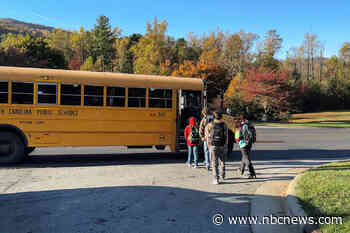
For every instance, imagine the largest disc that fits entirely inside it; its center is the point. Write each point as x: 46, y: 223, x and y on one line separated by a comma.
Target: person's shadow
x: 146, y: 209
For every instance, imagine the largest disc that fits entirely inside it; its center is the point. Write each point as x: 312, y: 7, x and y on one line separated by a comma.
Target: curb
x: 268, y: 201
x: 295, y: 209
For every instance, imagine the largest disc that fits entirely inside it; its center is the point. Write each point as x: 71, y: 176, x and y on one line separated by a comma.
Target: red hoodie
x: 193, y: 123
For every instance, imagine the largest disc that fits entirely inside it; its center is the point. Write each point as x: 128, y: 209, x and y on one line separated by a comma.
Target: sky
x: 329, y: 20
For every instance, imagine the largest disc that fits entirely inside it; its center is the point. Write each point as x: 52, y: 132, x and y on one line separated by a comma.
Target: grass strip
x: 325, y: 191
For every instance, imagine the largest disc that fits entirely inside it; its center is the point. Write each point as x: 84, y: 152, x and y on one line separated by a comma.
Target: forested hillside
x: 19, y: 27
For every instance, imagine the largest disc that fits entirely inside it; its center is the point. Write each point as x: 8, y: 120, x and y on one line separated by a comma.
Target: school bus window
x: 47, y: 93
x: 93, y: 95
x: 137, y: 97
x: 70, y: 94
x: 160, y: 98
x: 22, y: 93
x: 116, y: 96
x: 4, y: 89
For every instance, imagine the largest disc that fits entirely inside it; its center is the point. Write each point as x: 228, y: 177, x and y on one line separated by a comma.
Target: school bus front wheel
x: 28, y: 150
x: 11, y: 148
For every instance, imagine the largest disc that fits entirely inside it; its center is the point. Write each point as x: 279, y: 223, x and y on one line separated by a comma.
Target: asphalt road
x: 110, y: 190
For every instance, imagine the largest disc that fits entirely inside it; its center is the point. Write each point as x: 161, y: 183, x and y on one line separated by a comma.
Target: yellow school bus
x: 54, y: 108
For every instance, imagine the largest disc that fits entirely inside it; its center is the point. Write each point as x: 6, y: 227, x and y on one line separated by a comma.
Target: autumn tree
x: 61, y: 41
x: 195, y: 45
x: 272, y: 43
x: 310, y: 44
x: 82, y: 44
x: 124, y: 58
x: 75, y: 62
x: 333, y: 67
x: 36, y: 51
x: 212, y: 48
x: 268, y: 49
x: 152, y: 49
x: 214, y: 75
x: 232, y: 54
x: 122, y: 62
x: 89, y: 65
x: 233, y: 95
x: 184, y: 52
x: 269, y: 89
x: 344, y: 55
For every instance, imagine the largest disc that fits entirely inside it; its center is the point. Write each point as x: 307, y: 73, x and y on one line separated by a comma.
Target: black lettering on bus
x: 15, y: 111
x: 25, y: 122
x: 44, y: 112
x: 68, y: 112
x: 27, y: 112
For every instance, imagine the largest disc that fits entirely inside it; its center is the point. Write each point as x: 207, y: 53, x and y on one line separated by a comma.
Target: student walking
x: 245, y: 136
x: 193, y: 140
x: 216, y: 136
x: 204, y: 122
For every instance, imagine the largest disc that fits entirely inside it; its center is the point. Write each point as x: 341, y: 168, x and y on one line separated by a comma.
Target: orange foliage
x: 234, y: 86
x: 210, y: 71
x: 166, y: 68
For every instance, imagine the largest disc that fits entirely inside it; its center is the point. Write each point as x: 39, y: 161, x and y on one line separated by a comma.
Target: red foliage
x: 75, y: 62
x: 269, y: 88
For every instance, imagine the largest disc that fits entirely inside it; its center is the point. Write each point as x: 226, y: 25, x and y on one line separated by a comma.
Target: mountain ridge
x: 14, y: 26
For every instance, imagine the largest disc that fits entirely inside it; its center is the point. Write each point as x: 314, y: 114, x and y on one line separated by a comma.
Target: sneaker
x: 222, y: 178
x: 252, y: 177
x: 215, y: 181
x: 195, y: 166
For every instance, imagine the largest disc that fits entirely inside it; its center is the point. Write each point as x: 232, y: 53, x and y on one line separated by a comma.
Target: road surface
x: 107, y: 190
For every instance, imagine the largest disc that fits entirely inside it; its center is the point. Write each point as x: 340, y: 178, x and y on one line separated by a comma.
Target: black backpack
x: 249, y: 135
x: 218, y: 134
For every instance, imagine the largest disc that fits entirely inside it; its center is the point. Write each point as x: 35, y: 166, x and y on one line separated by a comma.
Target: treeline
x: 239, y: 66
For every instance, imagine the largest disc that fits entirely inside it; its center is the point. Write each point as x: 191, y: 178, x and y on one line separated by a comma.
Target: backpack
x: 218, y: 134
x: 193, y: 137
x: 249, y: 135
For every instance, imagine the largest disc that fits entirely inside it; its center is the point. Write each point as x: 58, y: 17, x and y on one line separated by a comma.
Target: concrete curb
x: 295, y: 209
x: 268, y: 201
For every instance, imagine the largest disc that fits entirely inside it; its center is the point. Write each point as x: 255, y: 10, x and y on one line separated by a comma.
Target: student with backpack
x: 193, y: 140
x: 245, y: 136
x: 204, y: 122
x: 216, y: 136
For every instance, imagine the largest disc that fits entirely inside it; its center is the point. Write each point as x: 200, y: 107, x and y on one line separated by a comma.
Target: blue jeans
x: 206, y: 154
x: 192, y: 150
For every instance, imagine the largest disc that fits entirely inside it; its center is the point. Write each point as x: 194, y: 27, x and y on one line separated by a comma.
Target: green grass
x: 336, y: 119
x: 325, y: 191
x: 316, y: 124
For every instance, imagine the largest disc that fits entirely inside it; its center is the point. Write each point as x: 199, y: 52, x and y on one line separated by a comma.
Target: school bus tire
x: 28, y: 150
x: 11, y: 148
x: 160, y: 147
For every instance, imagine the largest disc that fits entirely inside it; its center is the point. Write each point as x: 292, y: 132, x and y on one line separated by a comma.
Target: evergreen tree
x: 104, y: 38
